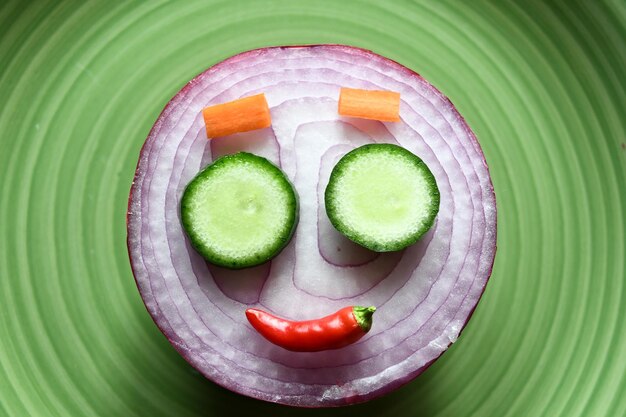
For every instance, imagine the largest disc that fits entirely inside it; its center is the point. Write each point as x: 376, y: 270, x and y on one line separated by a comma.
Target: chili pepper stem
x: 363, y: 316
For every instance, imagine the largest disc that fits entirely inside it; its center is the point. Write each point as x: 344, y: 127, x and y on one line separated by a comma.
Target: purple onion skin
x: 233, y: 385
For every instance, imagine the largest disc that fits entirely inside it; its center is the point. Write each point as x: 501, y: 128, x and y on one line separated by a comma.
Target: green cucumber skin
x: 355, y: 236
x: 196, y: 241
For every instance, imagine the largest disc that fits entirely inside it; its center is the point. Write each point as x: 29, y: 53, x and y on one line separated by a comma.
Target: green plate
x: 542, y: 84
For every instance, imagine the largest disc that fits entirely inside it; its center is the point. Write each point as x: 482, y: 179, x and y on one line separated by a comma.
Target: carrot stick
x: 243, y: 115
x: 370, y: 104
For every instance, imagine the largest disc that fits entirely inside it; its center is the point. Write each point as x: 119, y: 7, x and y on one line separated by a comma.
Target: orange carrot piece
x: 243, y: 115
x: 370, y: 104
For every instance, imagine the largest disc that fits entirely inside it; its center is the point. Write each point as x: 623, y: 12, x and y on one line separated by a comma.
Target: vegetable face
x: 424, y: 294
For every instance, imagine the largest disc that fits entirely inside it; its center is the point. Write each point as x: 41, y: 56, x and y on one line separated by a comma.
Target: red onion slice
x: 424, y: 294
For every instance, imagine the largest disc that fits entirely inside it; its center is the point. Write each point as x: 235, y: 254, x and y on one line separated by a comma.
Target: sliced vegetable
x: 334, y: 331
x: 243, y: 115
x: 424, y: 295
x: 370, y: 104
x: 382, y: 197
x: 240, y: 211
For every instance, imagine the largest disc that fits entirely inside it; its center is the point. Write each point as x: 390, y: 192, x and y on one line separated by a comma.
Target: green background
x: 541, y: 83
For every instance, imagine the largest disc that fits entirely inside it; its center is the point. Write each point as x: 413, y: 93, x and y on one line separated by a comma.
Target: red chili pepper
x: 335, y: 331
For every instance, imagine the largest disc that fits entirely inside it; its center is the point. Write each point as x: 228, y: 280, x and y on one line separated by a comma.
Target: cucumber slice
x: 382, y: 197
x: 240, y: 211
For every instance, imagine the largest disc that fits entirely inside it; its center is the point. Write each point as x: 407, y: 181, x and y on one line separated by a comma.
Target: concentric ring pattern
x: 424, y: 295
x: 540, y: 83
